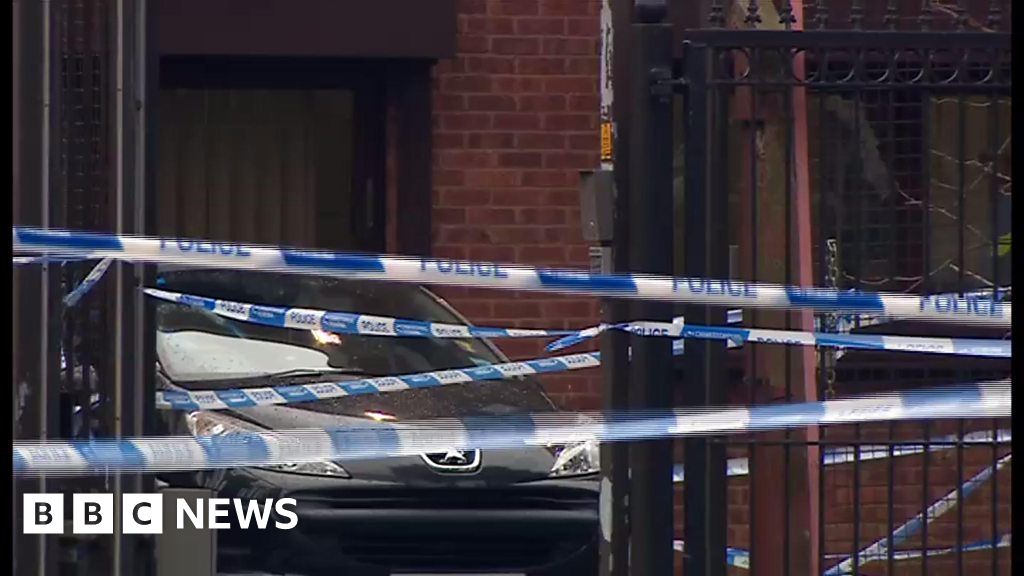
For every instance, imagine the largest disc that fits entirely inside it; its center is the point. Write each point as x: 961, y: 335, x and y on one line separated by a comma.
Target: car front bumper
x: 377, y: 528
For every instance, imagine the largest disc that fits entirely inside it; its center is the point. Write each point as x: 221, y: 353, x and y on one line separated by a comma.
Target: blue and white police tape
x: 736, y: 557
x: 371, y: 325
x: 343, y: 322
x: 990, y: 348
x: 848, y: 454
x: 979, y: 546
x: 371, y: 440
x: 180, y: 399
x: 509, y: 277
x: 911, y: 527
x: 846, y: 322
x: 364, y: 324
x: 57, y: 259
x: 740, y: 558
x: 91, y: 279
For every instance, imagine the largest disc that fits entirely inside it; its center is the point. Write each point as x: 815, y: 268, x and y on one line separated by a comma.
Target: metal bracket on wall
x: 663, y: 85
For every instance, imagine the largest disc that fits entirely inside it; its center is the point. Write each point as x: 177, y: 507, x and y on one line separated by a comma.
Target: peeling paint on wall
x: 606, y: 82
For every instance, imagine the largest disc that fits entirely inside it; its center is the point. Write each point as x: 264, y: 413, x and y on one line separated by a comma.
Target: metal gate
x: 854, y: 147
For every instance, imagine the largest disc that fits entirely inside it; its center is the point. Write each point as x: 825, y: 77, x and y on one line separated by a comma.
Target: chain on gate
x: 830, y: 320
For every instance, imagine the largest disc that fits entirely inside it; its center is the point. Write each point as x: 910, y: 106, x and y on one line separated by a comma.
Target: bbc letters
x: 144, y: 513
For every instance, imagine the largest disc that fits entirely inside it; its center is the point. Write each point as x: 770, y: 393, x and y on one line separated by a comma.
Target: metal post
x: 650, y: 209
x: 132, y: 379
x: 706, y: 245
x: 36, y: 318
x: 615, y: 480
x: 120, y: 315
x: 602, y: 221
x: 616, y: 121
x: 29, y: 389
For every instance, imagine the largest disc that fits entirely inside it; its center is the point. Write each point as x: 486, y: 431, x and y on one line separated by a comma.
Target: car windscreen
x: 201, y: 351
x: 196, y: 345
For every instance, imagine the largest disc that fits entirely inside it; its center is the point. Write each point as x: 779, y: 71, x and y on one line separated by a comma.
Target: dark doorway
x: 283, y: 151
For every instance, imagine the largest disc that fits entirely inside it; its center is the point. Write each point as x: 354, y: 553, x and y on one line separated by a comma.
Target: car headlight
x: 323, y: 468
x: 581, y: 458
x: 215, y: 424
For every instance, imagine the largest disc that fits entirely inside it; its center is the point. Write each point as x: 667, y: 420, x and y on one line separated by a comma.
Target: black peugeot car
x: 526, y: 511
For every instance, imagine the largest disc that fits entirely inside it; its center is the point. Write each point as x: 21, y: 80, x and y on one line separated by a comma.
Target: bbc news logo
x: 144, y: 513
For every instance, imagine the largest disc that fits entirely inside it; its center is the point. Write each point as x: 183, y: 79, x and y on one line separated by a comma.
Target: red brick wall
x: 515, y: 120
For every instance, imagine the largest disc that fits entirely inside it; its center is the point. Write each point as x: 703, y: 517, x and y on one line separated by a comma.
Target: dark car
x: 525, y: 511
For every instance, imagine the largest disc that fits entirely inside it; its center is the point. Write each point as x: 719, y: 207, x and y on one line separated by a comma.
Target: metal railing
x: 864, y: 148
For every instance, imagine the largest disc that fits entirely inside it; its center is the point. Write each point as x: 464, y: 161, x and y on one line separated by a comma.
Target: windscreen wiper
x: 300, y: 372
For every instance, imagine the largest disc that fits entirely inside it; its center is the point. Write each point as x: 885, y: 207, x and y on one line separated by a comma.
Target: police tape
x: 848, y: 322
x: 736, y: 557
x: 181, y: 399
x: 371, y: 325
x: 442, y: 271
x: 343, y: 322
x: 740, y: 558
x: 990, y: 348
x: 90, y: 280
x: 372, y: 440
x: 735, y: 316
x: 365, y: 324
x: 845, y: 322
x: 25, y: 260
x: 981, y: 545
x: 848, y: 454
x: 915, y: 524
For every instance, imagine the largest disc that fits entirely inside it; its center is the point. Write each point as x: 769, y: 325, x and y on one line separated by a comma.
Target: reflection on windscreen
x: 195, y: 344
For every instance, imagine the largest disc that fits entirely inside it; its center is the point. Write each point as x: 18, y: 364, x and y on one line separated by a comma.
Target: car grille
x: 440, y: 553
x: 542, y: 498
x: 435, y: 546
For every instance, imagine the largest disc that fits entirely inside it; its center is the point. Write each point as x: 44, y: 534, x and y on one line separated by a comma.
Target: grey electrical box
x: 600, y: 259
x: 189, y: 551
x: 597, y: 205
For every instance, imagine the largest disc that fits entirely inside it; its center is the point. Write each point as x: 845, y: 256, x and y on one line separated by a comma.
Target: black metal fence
x: 870, y: 150
x: 80, y: 102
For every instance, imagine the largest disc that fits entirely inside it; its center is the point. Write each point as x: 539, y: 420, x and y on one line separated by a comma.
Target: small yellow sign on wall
x: 606, y: 141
